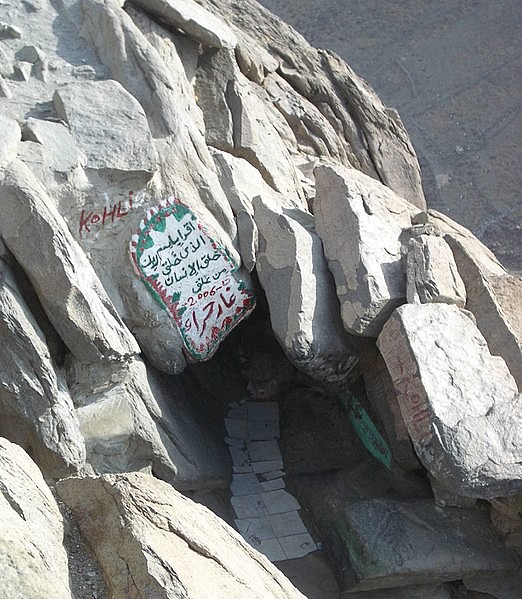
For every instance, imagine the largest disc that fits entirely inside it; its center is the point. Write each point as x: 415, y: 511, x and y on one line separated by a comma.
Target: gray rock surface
x: 33, y: 562
x: 300, y: 294
x: 59, y: 144
x: 36, y: 410
x: 108, y: 125
x: 461, y: 408
x: 153, y: 542
x: 194, y: 20
x: 132, y: 419
x: 392, y: 543
x: 11, y: 138
x: 494, y: 296
x: 382, y: 396
x: 431, y: 272
x: 63, y: 278
x: 360, y: 222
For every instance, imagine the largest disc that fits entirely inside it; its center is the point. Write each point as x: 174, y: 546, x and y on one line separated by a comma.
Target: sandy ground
x: 453, y: 69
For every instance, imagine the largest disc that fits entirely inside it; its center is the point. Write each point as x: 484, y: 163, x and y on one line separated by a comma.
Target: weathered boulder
x: 36, y: 410
x: 360, y: 222
x: 57, y: 140
x: 397, y: 543
x: 153, y: 542
x: 194, y: 20
x: 11, y: 136
x: 300, y: 293
x: 431, y: 272
x: 459, y: 403
x: 108, y: 125
x: 493, y: 295
x: 133, y: 418
x: 63, y: 278
x: 33, y: 562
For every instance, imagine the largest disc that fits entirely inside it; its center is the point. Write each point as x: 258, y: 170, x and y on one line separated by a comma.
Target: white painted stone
x: 360, y: 222
x: 249, y: 506
x: 460, y: 404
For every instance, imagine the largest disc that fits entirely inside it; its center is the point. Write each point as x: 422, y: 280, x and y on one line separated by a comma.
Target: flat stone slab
x: 280, y: 501
x: 267, y: 466
x: 261, y: 451
x: 392, y: 544
x: 296, y: 546
x: 286, y: 524
x: 245, y: 484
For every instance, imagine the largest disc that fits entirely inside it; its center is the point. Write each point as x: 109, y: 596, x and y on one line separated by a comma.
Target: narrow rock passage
x: 267, y: 515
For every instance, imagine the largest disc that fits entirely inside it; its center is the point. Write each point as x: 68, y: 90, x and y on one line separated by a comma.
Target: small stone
x: 9, y: 32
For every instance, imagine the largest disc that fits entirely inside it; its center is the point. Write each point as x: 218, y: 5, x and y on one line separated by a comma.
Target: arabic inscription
x: 191, y: 275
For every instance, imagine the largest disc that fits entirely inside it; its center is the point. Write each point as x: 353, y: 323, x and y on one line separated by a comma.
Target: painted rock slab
x: 191, y: 276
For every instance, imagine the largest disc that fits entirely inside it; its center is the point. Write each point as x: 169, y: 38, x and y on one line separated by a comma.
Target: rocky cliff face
x: 197, y: 209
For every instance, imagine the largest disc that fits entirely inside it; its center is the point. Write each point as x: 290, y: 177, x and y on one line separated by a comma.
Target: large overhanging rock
x: 36, y: 410
x: 153, y: 542
x: 360, y: 222
x: 133, y: 418
x: 493, y: 295
x: 301, y: 294
x: 63, y: 278
x: 459, y: 402
x: 33, y: 562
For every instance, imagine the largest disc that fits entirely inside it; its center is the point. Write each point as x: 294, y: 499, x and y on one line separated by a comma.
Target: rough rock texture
x: 493, y: 295
x: 132, y: 419
x: 462, y: 409
x: 392, y: 543
x: 153, y: 542
x: 33, y: 562
x: 63, y: 278
x: 108, y: 125
x: 431, y: 272
x: 301, y: 294
x: 383, y: 398
x: 36, y: 410
x: 306, y: 186
x: 360, y: 222
x: 11, y: 137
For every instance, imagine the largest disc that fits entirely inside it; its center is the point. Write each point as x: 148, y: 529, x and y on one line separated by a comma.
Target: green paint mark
x: 366, y: 430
